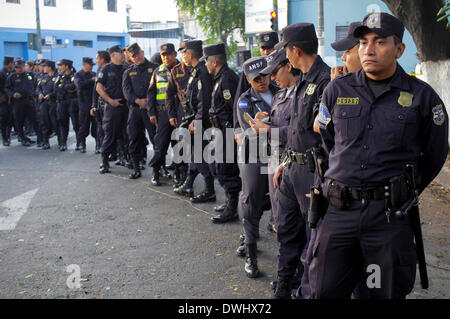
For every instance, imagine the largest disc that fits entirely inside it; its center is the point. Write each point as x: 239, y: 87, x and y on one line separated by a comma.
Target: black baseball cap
x: 381, y: 23
x: 88, y: 60
x: 167, y: 48
x: 134, y: 49
x: 253, y: 67
x: 19, y: 62
x: 298, y: 32
x: 273, y: 60
x: 268, y: 39
x: 349, y: 41
x: 116, y: 48
x: 212, y: 50
x: 8, y: 60
x: 194, y: 45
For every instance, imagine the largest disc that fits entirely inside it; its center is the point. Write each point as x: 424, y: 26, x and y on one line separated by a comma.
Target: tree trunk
x: 419, y: 17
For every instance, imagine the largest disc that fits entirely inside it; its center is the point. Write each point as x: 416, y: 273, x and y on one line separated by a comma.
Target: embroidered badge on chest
x: 226, y: 95
x: 405, y: 99
x: 438, y: 115
x: 311, y: 88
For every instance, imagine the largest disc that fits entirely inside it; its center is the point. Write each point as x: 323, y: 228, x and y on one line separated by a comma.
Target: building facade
x: 69, y: 29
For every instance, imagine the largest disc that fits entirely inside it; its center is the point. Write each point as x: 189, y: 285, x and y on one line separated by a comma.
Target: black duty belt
x: 277, y: 151
x: 299, y: 158
x: 161, y: 107
x: 378, y: 193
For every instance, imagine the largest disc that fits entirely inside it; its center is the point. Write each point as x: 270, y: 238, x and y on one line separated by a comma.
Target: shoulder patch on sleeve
x: 324, y: 117
x: 438, y: 115
x: 243, y: 104
x: 100, y: 75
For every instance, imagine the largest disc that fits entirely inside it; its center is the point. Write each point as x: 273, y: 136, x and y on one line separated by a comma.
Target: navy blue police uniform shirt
x: 308, y: 94
x: 95, y: 95
x: 224, y: 91
x: 370, y: 140
x: 46, y: 85
x: 280, y: 115
x: 20, y: 83
x: 199, y: 92
x: 84, y: 81
x: 178, y: 81
x: 111, y: 79
x: 65, y: 86
x: 136, y: 80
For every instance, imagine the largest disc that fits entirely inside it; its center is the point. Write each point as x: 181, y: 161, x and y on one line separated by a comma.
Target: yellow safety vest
x: 162, y: 82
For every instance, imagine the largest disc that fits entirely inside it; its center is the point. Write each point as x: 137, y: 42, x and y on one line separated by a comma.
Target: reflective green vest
x: 162, y: 82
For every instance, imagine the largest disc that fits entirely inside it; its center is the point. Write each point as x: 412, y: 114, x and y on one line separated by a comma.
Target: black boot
x: 83, y: 146
x: 208, y: 195
x: 165, y: 173
x: 143, y: 164
x: 230, y: 213
x: 187, y: 189
x: 137, y: 169
x: 97, y: 146
x: 78, y: 147
x: 104, y: 168
x: 46, y: 144
x: 156, y: 177
x: 220, y: 208
x: 251, y: 264
x: 283, y: 289
x: 241, y: 251
x: 121, y: 160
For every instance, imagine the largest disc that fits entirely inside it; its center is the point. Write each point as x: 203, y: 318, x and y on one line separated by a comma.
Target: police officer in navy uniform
x: 47, y: 101
x: 301, y: 45
x: 178, y: 81
x: 109, y: 88
x: 254, y: 199
x: 5, y: 107
x: 156, y: 99
x: 221, y: 115
x: 102, y: 58
x: 135, y: 83
x: 85, y: 81
x: 374, y: 123
x: 20, y: 90
x: 197, y: 102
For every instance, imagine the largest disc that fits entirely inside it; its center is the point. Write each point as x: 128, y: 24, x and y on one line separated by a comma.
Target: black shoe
x: 240, y: 252
x: 204, y: 197
x: 230, y: 213
x: 221, y: 219
x: 251, y: 268
x: 83, y: 147
x: 6, y: 143
x: 30, y: 141
x: 283, y: 289
x: 97, y: 147
x: 104, y: 168
x: 63, y: 148
x: 171, y: 167
x: 220, y: 208
x: 46, y: 146
x: 40, y: 144
x: 25, y: 143
x: 187, y: 189
x: 273, y: 285
x: 121, y: 162
x: 112, y: 157
x: 78, y: 147
x: 142, y: 165
x: 156, y: 177
x: 137, y: 171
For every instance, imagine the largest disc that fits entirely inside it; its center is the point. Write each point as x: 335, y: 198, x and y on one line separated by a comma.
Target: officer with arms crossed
x: 386, y: 134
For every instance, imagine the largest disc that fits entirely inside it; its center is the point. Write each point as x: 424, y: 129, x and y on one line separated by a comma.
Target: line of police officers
x: 345, y: 137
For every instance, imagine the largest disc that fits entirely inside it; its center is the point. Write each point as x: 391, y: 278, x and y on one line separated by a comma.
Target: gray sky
x: 153, y: 10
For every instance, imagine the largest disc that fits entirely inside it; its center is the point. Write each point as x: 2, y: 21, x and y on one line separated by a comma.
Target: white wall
x: 67, y: 15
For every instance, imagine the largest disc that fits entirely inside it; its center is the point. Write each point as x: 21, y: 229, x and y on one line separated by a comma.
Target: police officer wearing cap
x: 109, y: 88
x: 5, y: 107
x: 84, y: 81
x: 197, y: 102
x: 301, y: 45
x: 254, y: 199
x: 65, y: 90
x: 156, y: 106
x: 135, y: 83
x: 97, y: 108
x: 384, y: 131
x: 47, y: 102
x: 178, y: 81
x: 221, y: 116
x: 19, y: 88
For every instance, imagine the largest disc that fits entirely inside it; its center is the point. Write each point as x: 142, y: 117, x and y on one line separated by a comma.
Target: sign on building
x: 257, y: 16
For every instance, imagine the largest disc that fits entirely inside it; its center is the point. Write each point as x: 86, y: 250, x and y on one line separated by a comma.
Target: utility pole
x: 38, y: 31
x: 320, y: 31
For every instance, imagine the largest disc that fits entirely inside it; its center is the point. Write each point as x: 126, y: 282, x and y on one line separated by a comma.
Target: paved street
x: 133, y: 241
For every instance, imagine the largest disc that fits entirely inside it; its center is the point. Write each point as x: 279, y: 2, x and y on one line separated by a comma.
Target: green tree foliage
x: 218, y: 19
x: 444, y: 13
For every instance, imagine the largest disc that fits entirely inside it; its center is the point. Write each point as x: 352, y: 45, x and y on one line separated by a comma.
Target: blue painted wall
x: 15, y: 42
x: 342, y: 13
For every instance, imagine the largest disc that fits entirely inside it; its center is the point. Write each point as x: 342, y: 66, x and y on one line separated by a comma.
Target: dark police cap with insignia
x: 117, y: 48
x: 381, y: 23
x: 349, y: 41
x: 134, y: 49
x: 212, y: 50
x: 88, y: 60
x: 19, y: 62
x: 67, y: 62
x: 253, y: 67
x: 273, y: 60
x: 182, y: 47
x: 298, y: 32
x: 167, y: 48
x: 194, y: 45
x: 8, y: 60
x: 268, y: 39
x: 49, y: 63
